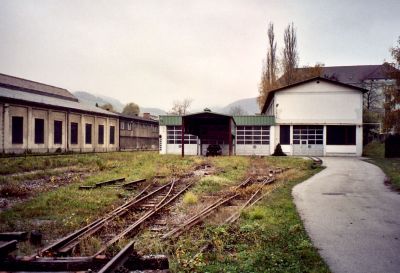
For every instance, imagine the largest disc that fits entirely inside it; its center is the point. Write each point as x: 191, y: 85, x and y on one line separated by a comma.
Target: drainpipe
x: 67, y: 128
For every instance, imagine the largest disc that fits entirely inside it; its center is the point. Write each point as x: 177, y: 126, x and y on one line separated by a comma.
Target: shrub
x: 190, y: 198
x: 278, y: 151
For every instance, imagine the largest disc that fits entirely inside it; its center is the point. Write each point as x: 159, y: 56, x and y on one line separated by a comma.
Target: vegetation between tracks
x: 391, y: 166
x: 63, y: 209
x: 269, y: 237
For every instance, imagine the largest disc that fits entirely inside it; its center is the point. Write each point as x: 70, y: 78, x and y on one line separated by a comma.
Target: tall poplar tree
x: 270, y: 68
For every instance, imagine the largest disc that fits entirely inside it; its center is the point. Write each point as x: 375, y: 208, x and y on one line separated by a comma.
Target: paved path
x: 351, y: 216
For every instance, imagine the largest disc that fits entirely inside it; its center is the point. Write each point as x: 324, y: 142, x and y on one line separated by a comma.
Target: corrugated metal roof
x: 51, y: 101
x: 170, y: 120
x: 11, y: 81
x: 239, y: 120
x: 254, y: 120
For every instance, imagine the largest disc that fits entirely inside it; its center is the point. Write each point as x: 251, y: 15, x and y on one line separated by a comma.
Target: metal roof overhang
x: 195, y: 124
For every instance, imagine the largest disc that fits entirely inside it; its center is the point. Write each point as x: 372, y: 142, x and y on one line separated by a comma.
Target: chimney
x: 146, y: 115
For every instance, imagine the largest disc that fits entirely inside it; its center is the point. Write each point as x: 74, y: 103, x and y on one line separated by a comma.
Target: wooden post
x: 230, y: 137
x: 183, y: 137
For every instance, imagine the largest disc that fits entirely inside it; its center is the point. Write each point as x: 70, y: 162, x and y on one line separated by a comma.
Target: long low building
x: 240, y: 135
x: 39, y: 118
x: 316, y: 117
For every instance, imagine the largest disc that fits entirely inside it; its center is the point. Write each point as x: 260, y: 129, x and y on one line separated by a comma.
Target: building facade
x: 38, y: 118
x: 316, y: 117
x: 138, y: 133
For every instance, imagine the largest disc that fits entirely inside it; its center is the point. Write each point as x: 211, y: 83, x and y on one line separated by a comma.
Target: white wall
x: 318, y: 103
x: 257, y: 149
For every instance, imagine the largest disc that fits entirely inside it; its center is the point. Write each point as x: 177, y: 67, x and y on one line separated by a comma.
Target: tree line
x: 130, y: 109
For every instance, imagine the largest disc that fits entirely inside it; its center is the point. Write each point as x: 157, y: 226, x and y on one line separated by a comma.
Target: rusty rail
x: 162, y: 204
x: 64, y: 245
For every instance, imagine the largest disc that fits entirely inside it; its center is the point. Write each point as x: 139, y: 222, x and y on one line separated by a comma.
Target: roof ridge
x: 10, y: 76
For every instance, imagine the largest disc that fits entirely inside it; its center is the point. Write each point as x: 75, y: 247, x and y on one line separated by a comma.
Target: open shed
x: 209, y: 128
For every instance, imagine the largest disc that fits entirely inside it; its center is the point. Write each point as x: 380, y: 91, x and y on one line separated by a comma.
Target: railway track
x: 235, y: 195
x: 125, y: 220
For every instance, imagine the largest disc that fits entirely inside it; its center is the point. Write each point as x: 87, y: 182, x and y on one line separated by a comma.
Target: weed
x: 190, y: 198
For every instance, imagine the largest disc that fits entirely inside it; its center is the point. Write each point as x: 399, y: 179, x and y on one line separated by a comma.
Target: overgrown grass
x: 269, y: 237
x: 391, y: 166
x: 230, y: 171
x: 66, y: 208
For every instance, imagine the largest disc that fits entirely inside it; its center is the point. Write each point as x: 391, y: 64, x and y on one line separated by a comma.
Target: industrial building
x: 39, y: 118
x: 315, y: 117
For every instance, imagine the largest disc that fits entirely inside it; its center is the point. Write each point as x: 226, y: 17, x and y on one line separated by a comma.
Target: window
x: 258, y: 135
x: 284, y: 134
x: 112, y: 134
x: 39, y: 131
x: 341, y: 135
x: 174, y: 136
x: 307, y: 134
x: 130, y: 126
x: 74, y: 133
x: 17, y: 130
x: 88, y: 133
x: 57, y: 132
x: 122, y: 125
x: 101, y: 134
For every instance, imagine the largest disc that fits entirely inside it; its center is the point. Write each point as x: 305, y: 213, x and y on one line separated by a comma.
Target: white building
x: 316, y: 117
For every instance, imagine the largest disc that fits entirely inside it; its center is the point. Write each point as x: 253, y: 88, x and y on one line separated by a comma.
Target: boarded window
x: 308, y: 134
x: 174, y: 136
x: 17, y: 130
x: 88, y: 133
x: 341, y: 135
x: 284, y: 134
x: 74, y: 133
x: 57, y: 132
x: 101, y: 134
x: 39, y: 131
x: 112, y: 134
x: 254, y: 135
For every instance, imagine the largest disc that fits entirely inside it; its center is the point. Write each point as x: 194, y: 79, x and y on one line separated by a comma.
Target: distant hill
x: 88, y: 98
x: 250, y: 106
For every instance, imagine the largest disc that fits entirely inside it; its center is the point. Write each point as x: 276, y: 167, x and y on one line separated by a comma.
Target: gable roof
x: 15, y: 83
x: 272, y: 92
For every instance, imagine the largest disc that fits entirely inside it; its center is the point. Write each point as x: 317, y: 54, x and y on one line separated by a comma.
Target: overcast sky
x: 155, y: 52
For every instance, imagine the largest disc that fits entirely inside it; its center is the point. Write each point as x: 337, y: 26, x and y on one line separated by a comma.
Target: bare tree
x: 270, y: 68
x: 237, y: 110
x: 181, y: 108
x: 374, y: 96
x: 290, y: 57
x: 131, y: 109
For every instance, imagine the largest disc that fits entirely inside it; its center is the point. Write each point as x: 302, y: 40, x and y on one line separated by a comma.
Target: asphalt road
x: 351, y: 216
